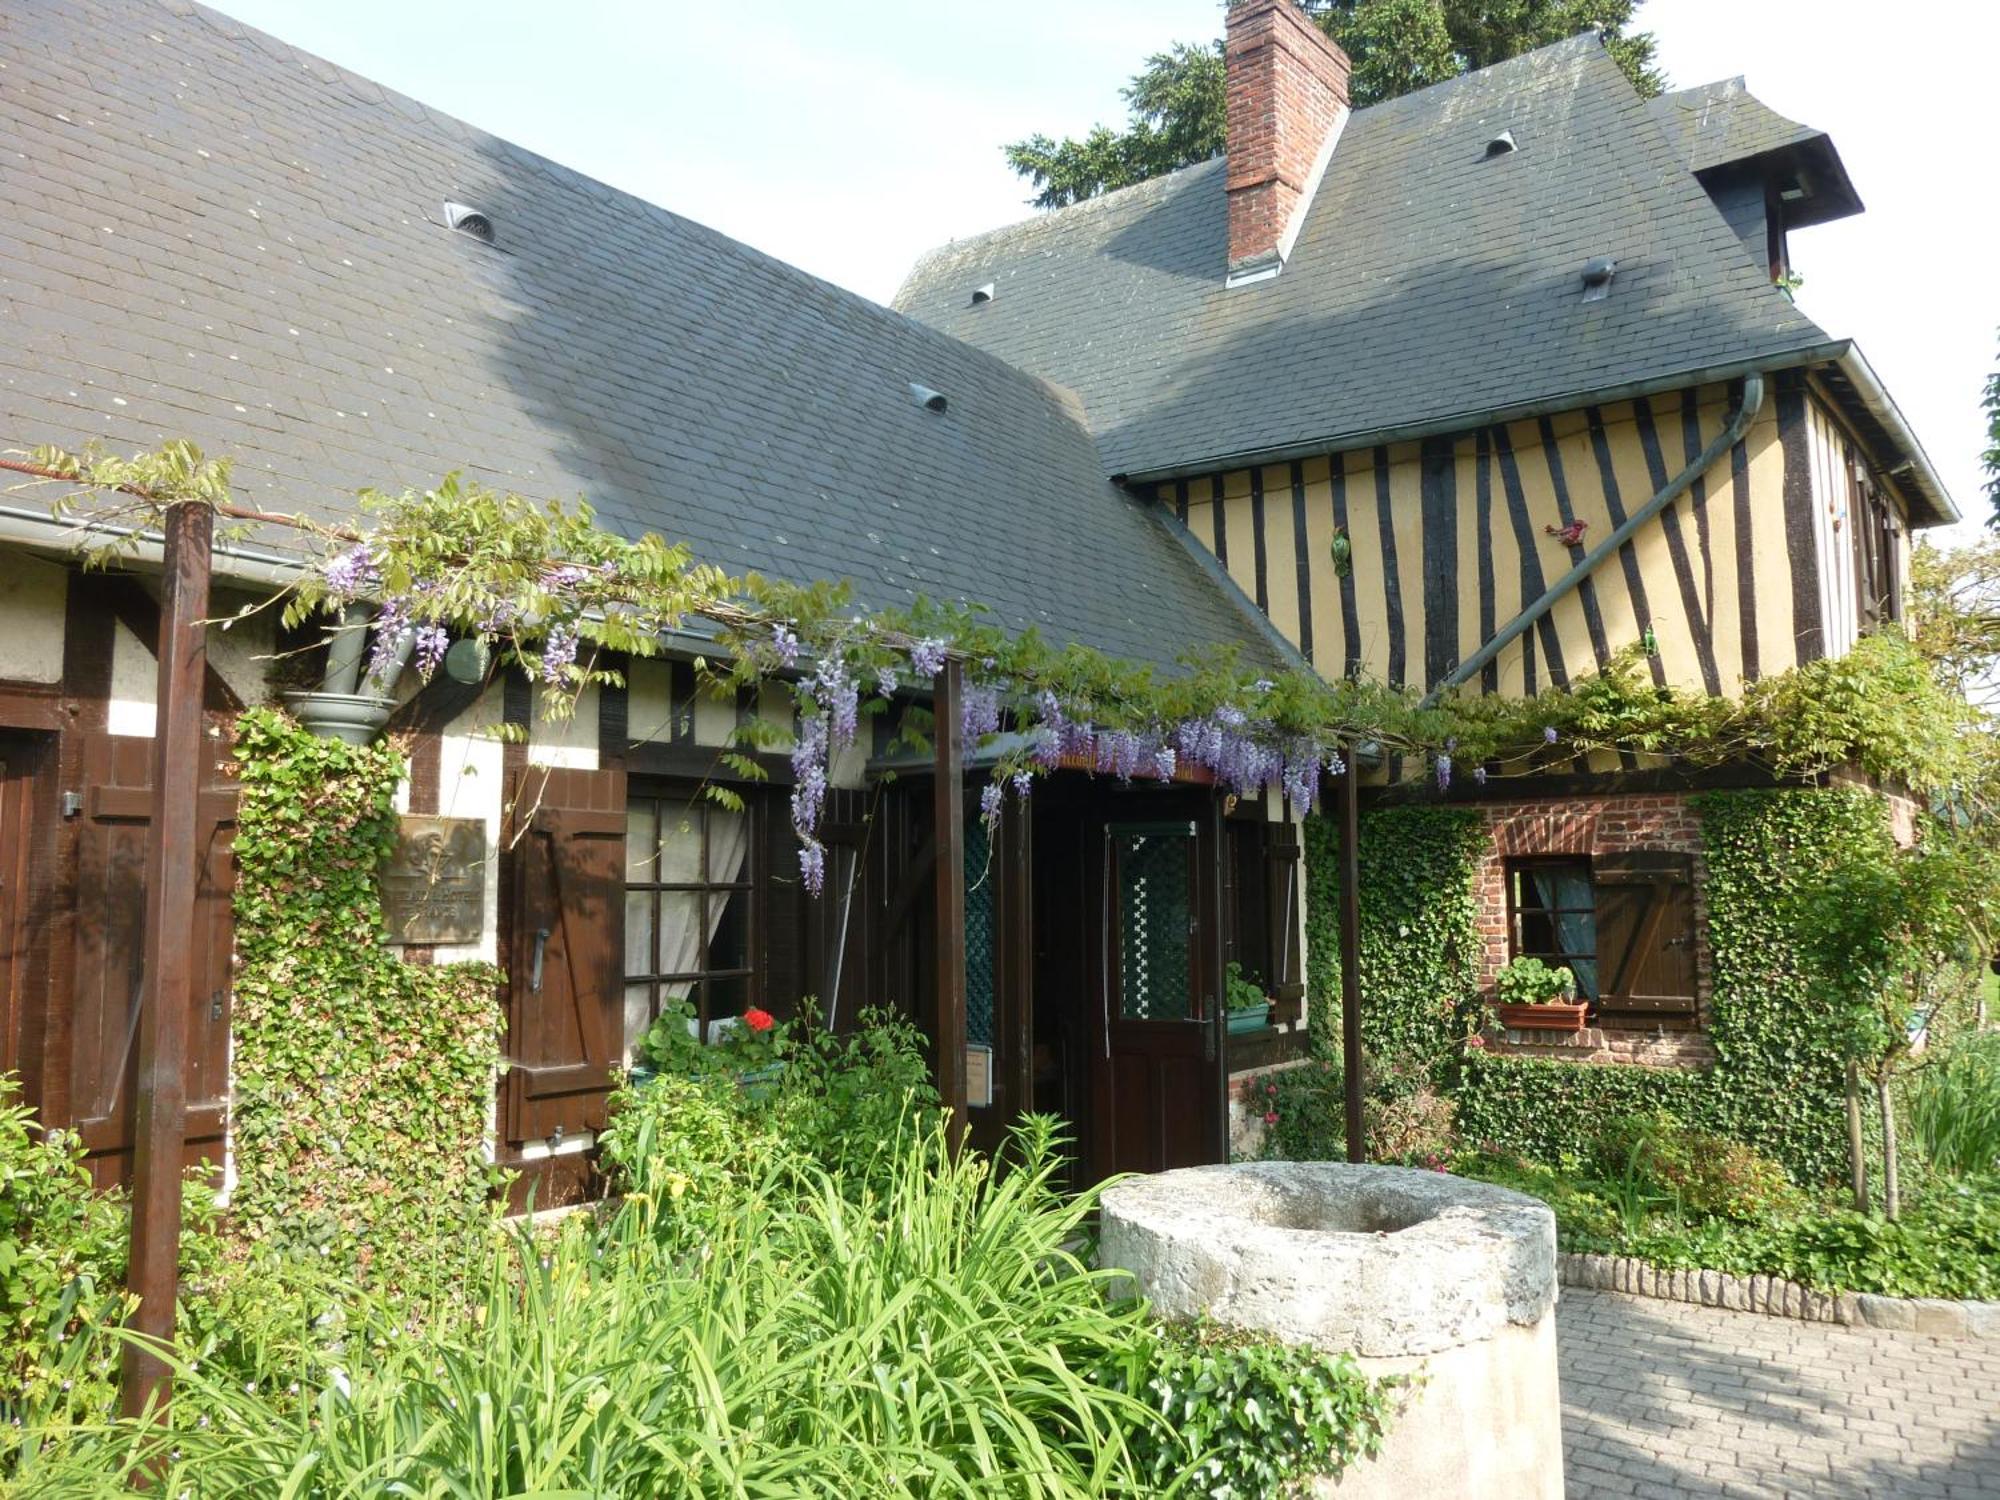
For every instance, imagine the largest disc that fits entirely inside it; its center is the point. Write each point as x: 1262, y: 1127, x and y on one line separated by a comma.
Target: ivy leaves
x: 361, y: 1083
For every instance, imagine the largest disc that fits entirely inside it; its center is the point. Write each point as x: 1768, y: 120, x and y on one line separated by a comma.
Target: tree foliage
x: 1177, y: 100
x: 1990, y: 459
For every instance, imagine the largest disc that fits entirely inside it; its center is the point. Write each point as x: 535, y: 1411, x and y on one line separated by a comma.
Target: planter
x: 1250, y: 1018
x: 1553, y: 1016
x: 351, y: 718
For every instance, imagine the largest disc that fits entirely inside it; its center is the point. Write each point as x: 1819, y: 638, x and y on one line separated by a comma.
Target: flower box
x: 1551, y: 1016
x: 1249, y: 1018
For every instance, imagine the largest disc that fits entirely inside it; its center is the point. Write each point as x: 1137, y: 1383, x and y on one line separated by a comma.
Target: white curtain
x: 684, y: 927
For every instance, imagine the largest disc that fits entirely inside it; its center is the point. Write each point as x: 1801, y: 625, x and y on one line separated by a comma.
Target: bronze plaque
x: 434, y: 885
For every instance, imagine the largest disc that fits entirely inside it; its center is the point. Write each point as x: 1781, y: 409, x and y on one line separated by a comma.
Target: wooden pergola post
x: 948, y: 811
x: 1350, y: 952
x: 172, y: 874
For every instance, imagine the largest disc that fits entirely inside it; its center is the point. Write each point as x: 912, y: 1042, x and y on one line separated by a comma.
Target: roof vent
x: 468, y: 220
x: 1597, y: 278
x: 982, y: 294
x: 1501, y: 145
x: 927, y: 398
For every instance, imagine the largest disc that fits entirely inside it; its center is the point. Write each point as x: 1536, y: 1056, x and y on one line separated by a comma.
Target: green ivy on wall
x: 1777, y: 1081
x: 1419, y: 930
x: 361, y: 1083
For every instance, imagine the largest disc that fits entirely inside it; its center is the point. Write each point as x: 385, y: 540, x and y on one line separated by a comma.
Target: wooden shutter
x: 1284, y: 865
x: 1645, y: 939
x: 565, y: 973
x: 110, y: 941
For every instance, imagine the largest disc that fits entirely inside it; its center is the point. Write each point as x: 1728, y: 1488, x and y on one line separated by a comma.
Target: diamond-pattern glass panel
x: 1155, y: 897
x: 980, y: 876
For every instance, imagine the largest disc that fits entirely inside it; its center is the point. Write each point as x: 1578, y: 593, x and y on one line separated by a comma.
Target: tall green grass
x: 938, y: 1340
x: 1955, y: 1106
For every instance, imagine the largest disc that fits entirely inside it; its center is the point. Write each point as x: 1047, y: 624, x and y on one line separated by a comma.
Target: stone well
x: 1409, y: 1271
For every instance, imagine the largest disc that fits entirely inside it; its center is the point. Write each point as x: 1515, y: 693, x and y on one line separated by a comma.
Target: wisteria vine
x: 544, y: 588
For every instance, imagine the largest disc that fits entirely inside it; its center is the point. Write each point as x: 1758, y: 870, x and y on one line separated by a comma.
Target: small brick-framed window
x: 1623, y: 923
x: 1552, y: 916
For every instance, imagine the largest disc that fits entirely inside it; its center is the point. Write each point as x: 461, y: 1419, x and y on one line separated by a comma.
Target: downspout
x: 1209, y: 564
x: 1748, y: 404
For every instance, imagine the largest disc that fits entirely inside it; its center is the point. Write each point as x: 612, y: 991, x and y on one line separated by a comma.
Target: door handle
x: 1208, y: 1028
x: 535, y: 968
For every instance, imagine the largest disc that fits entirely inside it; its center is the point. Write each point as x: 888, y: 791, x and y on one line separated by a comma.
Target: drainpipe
x: 1748, y: 404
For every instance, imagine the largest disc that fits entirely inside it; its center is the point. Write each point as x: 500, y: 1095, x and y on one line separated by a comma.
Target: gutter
x: 1912, y: 472
x: 1834, y: 352
x: 1748, y: 403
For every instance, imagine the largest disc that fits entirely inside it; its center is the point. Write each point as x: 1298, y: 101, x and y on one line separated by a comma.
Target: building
x: 1433, y: 331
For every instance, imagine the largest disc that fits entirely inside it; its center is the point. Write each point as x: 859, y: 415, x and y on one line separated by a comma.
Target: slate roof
x: 1721, y: 125
x: 1429, y: 286
x: 1722, y: 122
x: 209, y: 234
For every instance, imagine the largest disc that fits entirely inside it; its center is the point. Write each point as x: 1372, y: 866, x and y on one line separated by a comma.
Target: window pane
x: 728, y: 845
x: 681, y: 932
x: 680, y: 843
x: 639, y: 932
x: 641, y: 843
x: 729, y: 930
x: 727, y: 997
x: 638, y: 1012
x: 1154, y: 902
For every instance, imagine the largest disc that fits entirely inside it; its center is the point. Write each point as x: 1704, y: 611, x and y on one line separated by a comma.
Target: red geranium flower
x: 759, y: 1020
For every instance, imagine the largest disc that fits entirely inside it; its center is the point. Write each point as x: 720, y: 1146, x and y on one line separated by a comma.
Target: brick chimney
x: 1287, y: 97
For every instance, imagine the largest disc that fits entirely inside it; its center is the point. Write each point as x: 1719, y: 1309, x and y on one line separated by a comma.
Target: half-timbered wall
x: 1449, y: 538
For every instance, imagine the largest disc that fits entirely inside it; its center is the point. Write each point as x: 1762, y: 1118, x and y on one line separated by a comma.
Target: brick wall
x: 1589, y: 827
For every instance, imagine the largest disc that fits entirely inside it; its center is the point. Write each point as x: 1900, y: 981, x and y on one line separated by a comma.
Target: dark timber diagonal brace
x: 1748, y: 403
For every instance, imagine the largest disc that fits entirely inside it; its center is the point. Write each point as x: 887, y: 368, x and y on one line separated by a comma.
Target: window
x: 1552, y: 914
x: 1622, y: 923
x: 689, y: 912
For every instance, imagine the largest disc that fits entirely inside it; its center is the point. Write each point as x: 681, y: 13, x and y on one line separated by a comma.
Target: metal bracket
x: 535, y: 968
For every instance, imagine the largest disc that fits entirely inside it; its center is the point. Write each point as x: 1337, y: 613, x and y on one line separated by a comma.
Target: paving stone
x: 1674, y: 1398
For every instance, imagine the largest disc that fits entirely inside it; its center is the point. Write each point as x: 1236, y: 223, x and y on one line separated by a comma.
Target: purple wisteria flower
x: 1479, y: 775
x: 989, y: 803
x: 1549, y: 734
x: 786, y: 644
x: 432, y: 643
x: 353, y: 572
x: 1444, y: 772
x: 979, y: 711
x: 392, y: 629
x: 834, y: 690
x: 1165, y: 762
x: 558, y: 651
x: 886, y: 683
x: 812, y: 866
x: 927, y: 657
x: 1024, y: 783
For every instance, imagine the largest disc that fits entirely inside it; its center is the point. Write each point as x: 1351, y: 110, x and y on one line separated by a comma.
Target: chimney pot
x: 1287, y: 95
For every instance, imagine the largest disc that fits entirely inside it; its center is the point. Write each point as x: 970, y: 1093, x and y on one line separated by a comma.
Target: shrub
x: 1955, y: 1106
x: 62, y: 1271
x: 1244, y: 1417
x: 1704, y: 1172
x: 938, y: 1338
x: 1404, y: 1119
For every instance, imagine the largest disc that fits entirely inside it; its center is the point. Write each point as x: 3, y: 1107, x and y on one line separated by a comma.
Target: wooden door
x: 110, y: 939
x: 565, y: 973
x: 21, y: 758
x: 1157, y: 1071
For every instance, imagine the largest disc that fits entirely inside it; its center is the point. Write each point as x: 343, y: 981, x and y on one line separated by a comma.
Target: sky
x: 848, y: 138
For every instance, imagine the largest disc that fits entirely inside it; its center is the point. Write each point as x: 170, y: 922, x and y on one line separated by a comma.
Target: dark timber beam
x: 1350, y: 951
x: 948, y: 814
x: 172, y: 862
